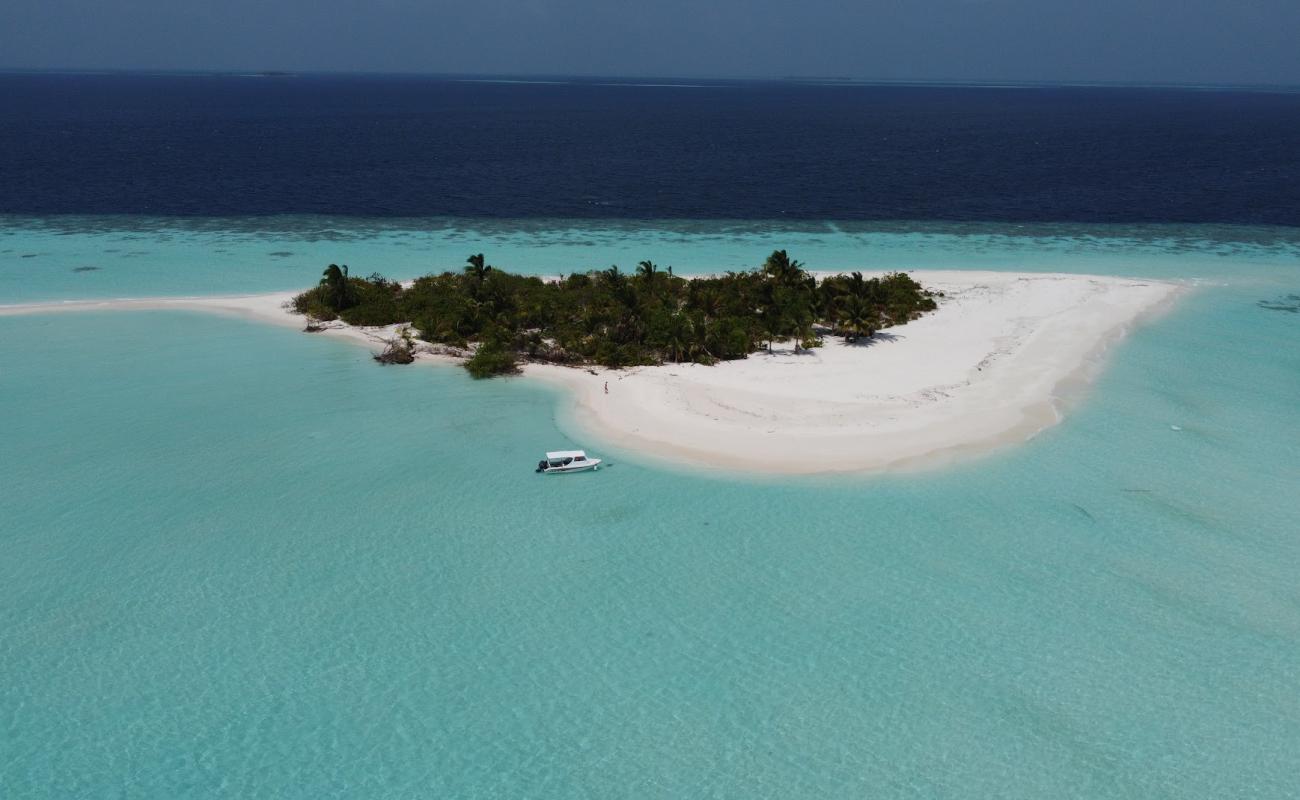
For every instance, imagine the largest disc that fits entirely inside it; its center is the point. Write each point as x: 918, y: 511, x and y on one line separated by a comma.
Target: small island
x: 858, y: 372
x: 614, y: 319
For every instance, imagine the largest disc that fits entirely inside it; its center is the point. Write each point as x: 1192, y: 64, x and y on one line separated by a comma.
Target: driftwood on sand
x: 400, y: 350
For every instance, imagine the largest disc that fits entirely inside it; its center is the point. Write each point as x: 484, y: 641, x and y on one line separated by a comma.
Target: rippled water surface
x: 54, y: 258
x: 239, y: 561
x: 391, y: 146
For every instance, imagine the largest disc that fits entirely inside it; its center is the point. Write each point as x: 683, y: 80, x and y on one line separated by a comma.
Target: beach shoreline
x: 1004, y: 357
x: 1001, y: 359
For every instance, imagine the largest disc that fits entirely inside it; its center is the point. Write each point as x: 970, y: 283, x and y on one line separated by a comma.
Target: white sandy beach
x: 270, y: 308
x: 993, y: 365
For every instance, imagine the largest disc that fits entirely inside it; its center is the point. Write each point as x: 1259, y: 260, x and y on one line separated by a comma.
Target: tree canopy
x: 617, y: 319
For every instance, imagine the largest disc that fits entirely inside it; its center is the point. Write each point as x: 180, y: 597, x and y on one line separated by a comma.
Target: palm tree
x: 857, y: 286
x: 679, y: 335
x: 710, y: 301
x: 856, y: 317
x: 783, y: 269
x: 478, y: 268
x: 613, y: 275
x: 770, y: 323
x: 649, y: 273
x: 801, y: 321
x: 338, y: 294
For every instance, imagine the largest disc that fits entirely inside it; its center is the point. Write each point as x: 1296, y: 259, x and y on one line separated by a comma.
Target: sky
x: 1134, y: 41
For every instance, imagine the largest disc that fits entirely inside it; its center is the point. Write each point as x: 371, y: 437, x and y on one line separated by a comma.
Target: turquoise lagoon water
x: 238, y: 562
x: 47, y: 258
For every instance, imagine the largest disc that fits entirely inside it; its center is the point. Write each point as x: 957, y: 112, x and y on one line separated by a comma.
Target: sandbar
x: 996, y: 363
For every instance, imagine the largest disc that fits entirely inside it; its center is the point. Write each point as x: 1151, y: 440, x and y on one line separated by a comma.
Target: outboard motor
x: 541, y: 466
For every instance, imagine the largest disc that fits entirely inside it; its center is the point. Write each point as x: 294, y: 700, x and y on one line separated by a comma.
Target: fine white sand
x: 267, y: 308
x: 993, y: 365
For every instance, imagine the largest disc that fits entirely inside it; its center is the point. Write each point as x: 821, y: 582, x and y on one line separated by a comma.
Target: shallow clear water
x: 44, y: 258
x: 241, y: 562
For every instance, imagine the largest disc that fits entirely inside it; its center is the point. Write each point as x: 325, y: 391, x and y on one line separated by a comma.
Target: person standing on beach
x: 606, y: 387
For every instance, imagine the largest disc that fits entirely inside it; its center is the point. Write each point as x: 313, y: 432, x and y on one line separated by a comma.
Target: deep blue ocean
x: 416, y: 147
x: 238, y: 561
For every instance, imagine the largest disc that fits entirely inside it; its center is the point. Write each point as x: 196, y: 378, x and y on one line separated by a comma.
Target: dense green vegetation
x: 618, y: 319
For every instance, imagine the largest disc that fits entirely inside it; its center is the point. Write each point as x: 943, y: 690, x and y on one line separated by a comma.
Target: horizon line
x: 651, y: 80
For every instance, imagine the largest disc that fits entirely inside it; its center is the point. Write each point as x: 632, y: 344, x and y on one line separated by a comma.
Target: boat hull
x: 590, y: 465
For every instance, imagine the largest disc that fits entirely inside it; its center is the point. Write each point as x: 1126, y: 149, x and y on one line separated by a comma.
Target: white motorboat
x: 567, y: 461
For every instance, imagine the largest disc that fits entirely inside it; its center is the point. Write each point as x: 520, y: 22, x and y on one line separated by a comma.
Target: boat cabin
x: 564, y: 458
x: 567, y: 461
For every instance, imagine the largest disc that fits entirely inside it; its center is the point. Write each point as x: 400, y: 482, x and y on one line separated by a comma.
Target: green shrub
x: 619, y: 319
x: 374, y: 314
x: 311, y: 303
x: 491, y: 359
